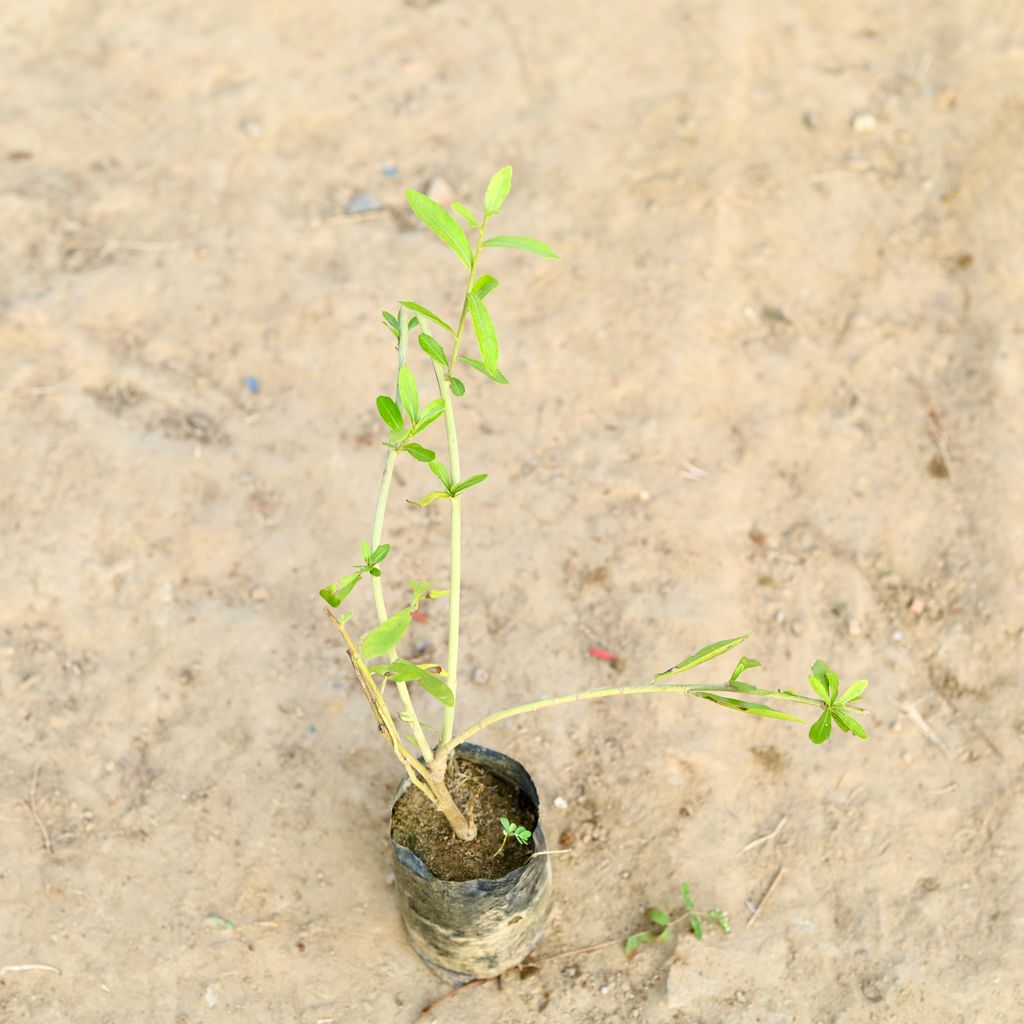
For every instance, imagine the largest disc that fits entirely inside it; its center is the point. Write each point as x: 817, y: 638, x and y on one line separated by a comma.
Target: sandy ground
x: 773, y: 384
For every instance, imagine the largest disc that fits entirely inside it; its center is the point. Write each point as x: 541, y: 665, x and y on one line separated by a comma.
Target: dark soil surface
x: 420, y: 827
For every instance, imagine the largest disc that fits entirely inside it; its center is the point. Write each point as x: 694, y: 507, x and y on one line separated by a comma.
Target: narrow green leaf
x: 497, y: 190
x: 427, y: 499
x: 486, y: 336
x: 458, y: 388
x: 384, y: 637
x: 687, y: 897
x: 438, y: 469
x: 389, y: 412
x: 429, y: 415
x: 819, y: 668
x: 822, y: 728
x: 741, y: 666
x: 505, y: 824
x: 330, y: 596
x: 833, y: 686
x: 441, y: 222
x: 721, y: 919
x: 848, y: 723
x: 854, y: 691
x: 431, y: 347
x: 407, y: 672
x: 761, y: 710
x: 634, y: 941
x: 365, y: 550
x: 379, y: 554
x: 429, y: 314
x: 819, y: 686
x: 745, y: 688
x: 483, y: 286
x: 658, y: 916
x: 704, y: 654
x: 497, y: 376
x: 466, y: 214
x: 695, y: 924
x: 477, y: 478
x: 390, y: 321
x: 518, y: 242
x: 420, y: 590
x: 419, y: 453
x: 408, y: 393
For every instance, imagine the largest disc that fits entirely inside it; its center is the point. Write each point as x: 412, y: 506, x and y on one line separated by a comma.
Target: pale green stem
x: 455, y: 468
x: 378, y: 530
x: 443, y: 751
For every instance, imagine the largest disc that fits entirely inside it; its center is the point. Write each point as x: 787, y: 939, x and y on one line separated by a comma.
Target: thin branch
x: 764, y: 899
x: 31, y: 803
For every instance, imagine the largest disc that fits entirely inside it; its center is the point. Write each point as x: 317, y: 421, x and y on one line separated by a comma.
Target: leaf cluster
x: 664, y: 923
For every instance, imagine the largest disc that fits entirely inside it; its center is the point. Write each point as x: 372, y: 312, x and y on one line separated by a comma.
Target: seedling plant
x: 510, y: 830
x: 664, y: 923
x: 383, y: 675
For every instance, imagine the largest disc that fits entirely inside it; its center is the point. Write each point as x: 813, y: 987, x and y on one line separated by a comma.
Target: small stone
x: 863, y: 122
x: 259, y: 594
x: 362, y: 202
x: 916, y: 607
x: 479, y: 675
x: 561, y: 803
x: 252, y: 126
x: 200, y: 426
x: 810, y: 120
x: 854, y: 628
x: 440, y: 190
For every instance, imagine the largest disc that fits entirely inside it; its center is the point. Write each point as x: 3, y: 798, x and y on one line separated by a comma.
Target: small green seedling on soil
x: 665, y: 922
x: 511, y: 830
x: 407, y: 416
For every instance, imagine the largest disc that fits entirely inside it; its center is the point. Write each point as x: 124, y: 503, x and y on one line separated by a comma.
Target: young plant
x: 374, y: 656
x: 511, y: 830
x: 665, y: 923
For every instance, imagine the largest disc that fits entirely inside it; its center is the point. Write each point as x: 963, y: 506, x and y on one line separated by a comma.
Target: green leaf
x: 854, y: 691
x: 506, y: 824
x: 477, y: 478
x: 486, y: 336
x: 833, y: 686
x: 744, y: 705
x: 431, y: 347
x: 518, y: 242
x: 466, y: 214
x: 721, y: 919
x: 438, y: 469
x: 634, y: 941
x: 746, y: 688
x: 379, y: 554
x: 696, y: 926
x: 483, y: 286
x: 419, y: 453
x: 497, y: 190
x: 384, y: 637
x: 341, y: 589
x: 407, y: 672
x: 408, y: 393
x: 658, y: 916
x: 389, y: 412
x: 819, y: 686
x: 704, y: 654
x: 822, y: 728
x: 374, y: 571
x: 848, y: 723
x: 458, y: 388
x: 819, y: 668
x: 441, y: 222
x: 687, y: 897
x: 741, y: 666
x: 427, y: 499
x: 431, y: 413
x: 390, y: 321
x: 365, y: 550
x: 497, y: 376
x: 429, y: 314
x: 522, y: 835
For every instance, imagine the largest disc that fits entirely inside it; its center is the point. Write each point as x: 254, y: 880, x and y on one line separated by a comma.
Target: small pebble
x: 479, y: 675
x: 810, y: 119
x: 389, y: 170
x: 252, y: 126
x: 259, y: 594
x: 362, y: 202
x: 199, y: 425
x: 561, y: 803
x: 863, y: 122
x: 440, y: 190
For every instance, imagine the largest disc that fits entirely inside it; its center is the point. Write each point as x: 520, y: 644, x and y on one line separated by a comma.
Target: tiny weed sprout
x: 510, y: 830
x: 442, y: 347
x: 665, y: 922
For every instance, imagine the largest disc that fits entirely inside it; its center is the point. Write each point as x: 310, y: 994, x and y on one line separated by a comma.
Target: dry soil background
x: 773, y: 384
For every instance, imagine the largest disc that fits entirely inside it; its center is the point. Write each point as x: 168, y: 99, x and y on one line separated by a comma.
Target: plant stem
x: 378, y: 530
x: 445, y: 749
x: 455, y: 467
